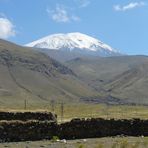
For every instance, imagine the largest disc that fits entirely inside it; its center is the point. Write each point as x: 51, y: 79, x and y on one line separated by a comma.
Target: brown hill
x: 28, y: 74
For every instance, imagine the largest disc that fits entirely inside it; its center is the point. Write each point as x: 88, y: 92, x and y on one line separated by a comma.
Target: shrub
x: 55, y: 138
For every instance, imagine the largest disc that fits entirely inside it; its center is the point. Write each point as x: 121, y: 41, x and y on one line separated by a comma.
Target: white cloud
x: 61, y: 14
x: 129, y: 6
x: 6, y: 28
x: 75, y: 18
x: 83, y: 3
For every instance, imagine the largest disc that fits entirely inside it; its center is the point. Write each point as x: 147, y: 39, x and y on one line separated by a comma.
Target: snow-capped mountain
x: 65, y: 47
x: 73, y: 41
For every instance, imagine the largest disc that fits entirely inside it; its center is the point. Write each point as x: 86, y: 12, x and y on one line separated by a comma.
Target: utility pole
x: 107, y: 107
x: 52, y: 103
x: 25, y: 104
x: 62, y: 111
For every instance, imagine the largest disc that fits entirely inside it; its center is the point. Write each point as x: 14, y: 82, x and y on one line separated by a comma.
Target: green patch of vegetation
x: 55, y: 138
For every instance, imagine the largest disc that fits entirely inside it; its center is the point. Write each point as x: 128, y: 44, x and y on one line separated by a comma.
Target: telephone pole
x: 52, y: 103
x: 62, y: 111
x: 25, y: 104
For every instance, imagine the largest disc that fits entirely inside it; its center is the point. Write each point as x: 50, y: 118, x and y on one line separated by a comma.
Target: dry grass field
x: 117, y: 142
x: 86, y: 111
x: 101, y: 111
x: 71, y: 111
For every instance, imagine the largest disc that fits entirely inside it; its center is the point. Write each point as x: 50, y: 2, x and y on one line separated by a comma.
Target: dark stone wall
x: 75, y: 129
x: 92, y: 128
x: 23, y: 131
x: 25, y: 116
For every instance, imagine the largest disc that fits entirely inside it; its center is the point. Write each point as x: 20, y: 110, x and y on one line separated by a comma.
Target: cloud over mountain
x: 62, y: 14
x: 6, y: 28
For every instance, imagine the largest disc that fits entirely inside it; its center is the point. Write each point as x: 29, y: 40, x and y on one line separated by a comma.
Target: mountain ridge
x: 123, y: 77
x: 28, y: 74
x: 32, y: 75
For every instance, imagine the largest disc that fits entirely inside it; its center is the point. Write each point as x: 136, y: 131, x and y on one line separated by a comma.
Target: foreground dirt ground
x: 116, y: 142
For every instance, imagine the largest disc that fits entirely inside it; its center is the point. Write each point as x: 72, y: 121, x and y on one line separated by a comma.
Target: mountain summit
x: 75, y: 42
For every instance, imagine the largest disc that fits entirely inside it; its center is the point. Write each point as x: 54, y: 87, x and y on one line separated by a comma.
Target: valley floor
x: 79, y: 110
x: 117, y: 142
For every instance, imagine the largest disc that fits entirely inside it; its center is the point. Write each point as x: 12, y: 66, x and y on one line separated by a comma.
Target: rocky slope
x: 121, y: 78
x: 28, y: 74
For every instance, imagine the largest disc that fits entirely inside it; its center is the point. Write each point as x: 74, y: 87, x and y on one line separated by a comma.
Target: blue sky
x: 121, y: 24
